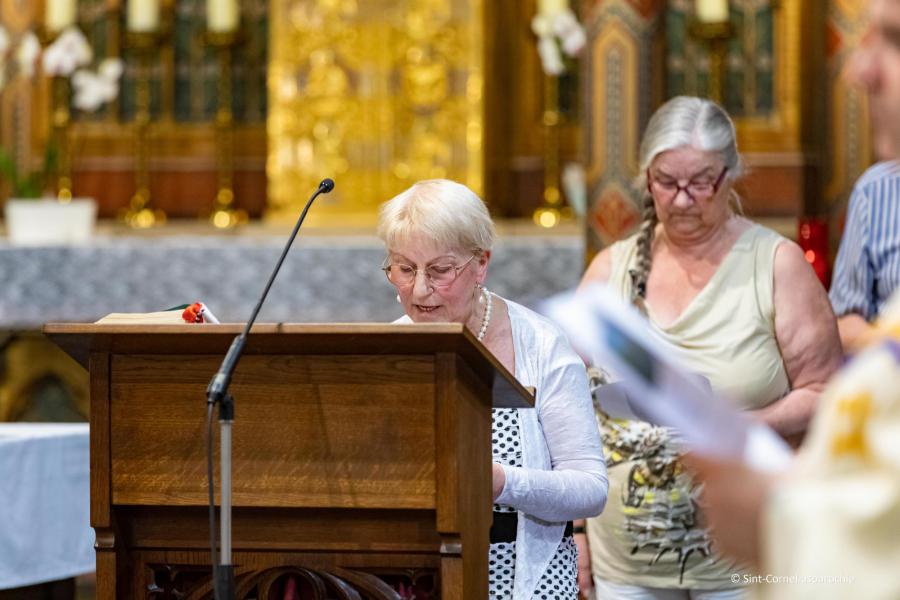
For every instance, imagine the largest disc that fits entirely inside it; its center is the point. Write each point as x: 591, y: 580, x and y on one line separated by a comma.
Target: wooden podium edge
x: 79, y: 340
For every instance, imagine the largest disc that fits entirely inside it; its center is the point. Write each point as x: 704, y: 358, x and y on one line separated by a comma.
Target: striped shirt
x: 867, y: 269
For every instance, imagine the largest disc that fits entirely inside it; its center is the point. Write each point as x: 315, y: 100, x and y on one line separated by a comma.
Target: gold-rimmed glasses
x: 439, y: 275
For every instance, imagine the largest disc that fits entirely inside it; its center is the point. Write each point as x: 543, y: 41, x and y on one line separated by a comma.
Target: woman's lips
x: 425, y: 309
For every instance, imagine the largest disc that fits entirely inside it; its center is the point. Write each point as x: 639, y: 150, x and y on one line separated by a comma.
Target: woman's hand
x: 733, y: 499
x: 499, y: 476
x: 585, y: 581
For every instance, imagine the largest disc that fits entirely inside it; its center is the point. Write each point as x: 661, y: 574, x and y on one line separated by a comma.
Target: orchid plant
x: 69, y: 56
x: 558, y: 32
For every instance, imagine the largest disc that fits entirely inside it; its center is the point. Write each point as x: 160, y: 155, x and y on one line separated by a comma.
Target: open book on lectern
x: 652, y: 385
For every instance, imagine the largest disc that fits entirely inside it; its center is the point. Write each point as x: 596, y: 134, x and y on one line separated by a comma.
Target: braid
x: 640, y: 274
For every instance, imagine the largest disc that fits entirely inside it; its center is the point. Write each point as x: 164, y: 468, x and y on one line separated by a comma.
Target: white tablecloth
x: 45, y: 531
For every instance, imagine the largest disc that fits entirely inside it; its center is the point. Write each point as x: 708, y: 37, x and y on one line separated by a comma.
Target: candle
x: 711, y: 11
x: 222, y: 15
x: 143, y: 15
x: 59, y: 14
x: 552, y: 7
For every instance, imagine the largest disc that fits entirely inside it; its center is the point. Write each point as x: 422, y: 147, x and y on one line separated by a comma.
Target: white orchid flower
x: 68, y: 52
x: 570, y: 33
x: 574, y: 41
x: 556, y: 25
x: 551, y: 59
x: 93, y: 90
x: 563, y: 22
x: 112, y: 68
x: 27, y: 54
x: 542, y: 26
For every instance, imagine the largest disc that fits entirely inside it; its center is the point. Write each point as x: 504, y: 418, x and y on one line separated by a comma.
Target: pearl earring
x: 398, y: 299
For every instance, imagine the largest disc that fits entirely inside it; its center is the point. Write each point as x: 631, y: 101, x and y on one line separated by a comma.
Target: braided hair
x: 680, y: 122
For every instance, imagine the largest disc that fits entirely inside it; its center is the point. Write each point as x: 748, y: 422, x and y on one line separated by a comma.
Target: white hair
x: 686, y: 121
x: 442, y: 210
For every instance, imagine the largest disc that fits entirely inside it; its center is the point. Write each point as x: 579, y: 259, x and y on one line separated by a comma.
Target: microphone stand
x: 217, y: 393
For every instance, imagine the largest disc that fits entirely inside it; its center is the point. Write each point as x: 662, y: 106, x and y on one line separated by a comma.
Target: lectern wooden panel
x: 361, y: 458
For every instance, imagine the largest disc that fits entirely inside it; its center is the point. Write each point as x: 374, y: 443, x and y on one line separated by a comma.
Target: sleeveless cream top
x: 649, y: 534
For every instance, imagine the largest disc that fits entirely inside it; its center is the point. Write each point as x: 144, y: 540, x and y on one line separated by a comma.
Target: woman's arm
x: 576, y: 486
x: 598, y: 271
x: 852, y: 286
x: 585, y: 579
x: 807, y: 335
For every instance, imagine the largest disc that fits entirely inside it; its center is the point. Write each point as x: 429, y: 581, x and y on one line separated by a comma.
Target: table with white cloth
x: 45, y: 532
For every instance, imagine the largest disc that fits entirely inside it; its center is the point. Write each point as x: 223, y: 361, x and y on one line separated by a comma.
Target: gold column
x: 550, y: 211
x: 139, y: 214
x: 715, y: 36
x: 61, y: 118
x: 224, y: 215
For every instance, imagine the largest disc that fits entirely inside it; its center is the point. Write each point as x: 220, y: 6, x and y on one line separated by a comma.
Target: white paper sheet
x: 657, y: 389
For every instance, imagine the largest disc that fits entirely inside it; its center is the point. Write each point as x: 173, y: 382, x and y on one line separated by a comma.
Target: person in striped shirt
x: 867, y: 270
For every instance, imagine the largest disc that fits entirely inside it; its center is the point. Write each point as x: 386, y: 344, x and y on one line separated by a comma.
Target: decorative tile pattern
x: 621, y: 66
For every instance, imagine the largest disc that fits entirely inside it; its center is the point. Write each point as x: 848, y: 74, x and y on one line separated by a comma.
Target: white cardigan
x: 563, y: 476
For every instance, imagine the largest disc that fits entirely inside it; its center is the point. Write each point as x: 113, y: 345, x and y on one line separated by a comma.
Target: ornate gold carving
x: 377, y: 95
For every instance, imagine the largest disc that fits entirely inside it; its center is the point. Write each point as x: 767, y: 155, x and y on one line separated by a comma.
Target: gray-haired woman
x: 741, y: 306
x: 548, y: 465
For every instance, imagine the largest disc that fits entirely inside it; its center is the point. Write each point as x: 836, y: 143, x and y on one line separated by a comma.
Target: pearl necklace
x: 488, y: 310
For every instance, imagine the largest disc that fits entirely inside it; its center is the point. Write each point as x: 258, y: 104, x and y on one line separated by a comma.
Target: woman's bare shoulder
x: 599, y: 269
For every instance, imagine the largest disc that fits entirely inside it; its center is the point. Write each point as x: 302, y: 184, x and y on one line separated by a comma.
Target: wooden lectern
x: 362, y: 457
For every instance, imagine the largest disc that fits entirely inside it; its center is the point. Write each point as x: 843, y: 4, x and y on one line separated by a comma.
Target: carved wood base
x: 293, y: 582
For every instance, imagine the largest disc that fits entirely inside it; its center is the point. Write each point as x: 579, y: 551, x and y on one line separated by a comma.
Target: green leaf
x: 33, y: 184
x: 10, y: 173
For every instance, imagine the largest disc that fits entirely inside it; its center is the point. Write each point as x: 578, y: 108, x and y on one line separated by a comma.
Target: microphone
x: 217, y: 393
x: 218, y: 386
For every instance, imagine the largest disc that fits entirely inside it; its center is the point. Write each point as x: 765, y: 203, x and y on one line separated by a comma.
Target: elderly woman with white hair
x: 738, y: 304
x: 548, y: 466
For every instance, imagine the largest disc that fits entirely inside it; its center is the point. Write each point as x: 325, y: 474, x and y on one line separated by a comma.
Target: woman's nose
x: 421, y: 284
x: 682, y: 199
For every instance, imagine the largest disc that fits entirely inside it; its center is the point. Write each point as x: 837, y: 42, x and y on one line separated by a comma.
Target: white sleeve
x: 577, y: 486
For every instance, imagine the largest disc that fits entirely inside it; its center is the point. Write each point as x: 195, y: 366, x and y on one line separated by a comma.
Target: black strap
x: 503, y: 529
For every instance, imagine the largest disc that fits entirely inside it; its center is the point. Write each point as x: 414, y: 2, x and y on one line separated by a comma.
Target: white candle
x: 143, y: 15
x: 222, y: 15
x: 711, y: 11
x: 59, y: 14
x: 552, y: 7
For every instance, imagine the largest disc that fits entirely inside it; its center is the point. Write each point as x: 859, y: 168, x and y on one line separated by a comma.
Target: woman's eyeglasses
x: 667, y: 189
x: 439, y: 275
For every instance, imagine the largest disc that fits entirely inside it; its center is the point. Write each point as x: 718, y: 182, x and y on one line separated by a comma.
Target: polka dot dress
x: 560, y: 580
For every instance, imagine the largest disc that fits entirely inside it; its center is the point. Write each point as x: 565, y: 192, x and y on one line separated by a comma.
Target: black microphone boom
x: 217, y: 393
x: 218, y: 386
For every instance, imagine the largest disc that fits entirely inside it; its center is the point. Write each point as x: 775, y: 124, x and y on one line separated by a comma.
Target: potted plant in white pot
x: 32, y: 217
